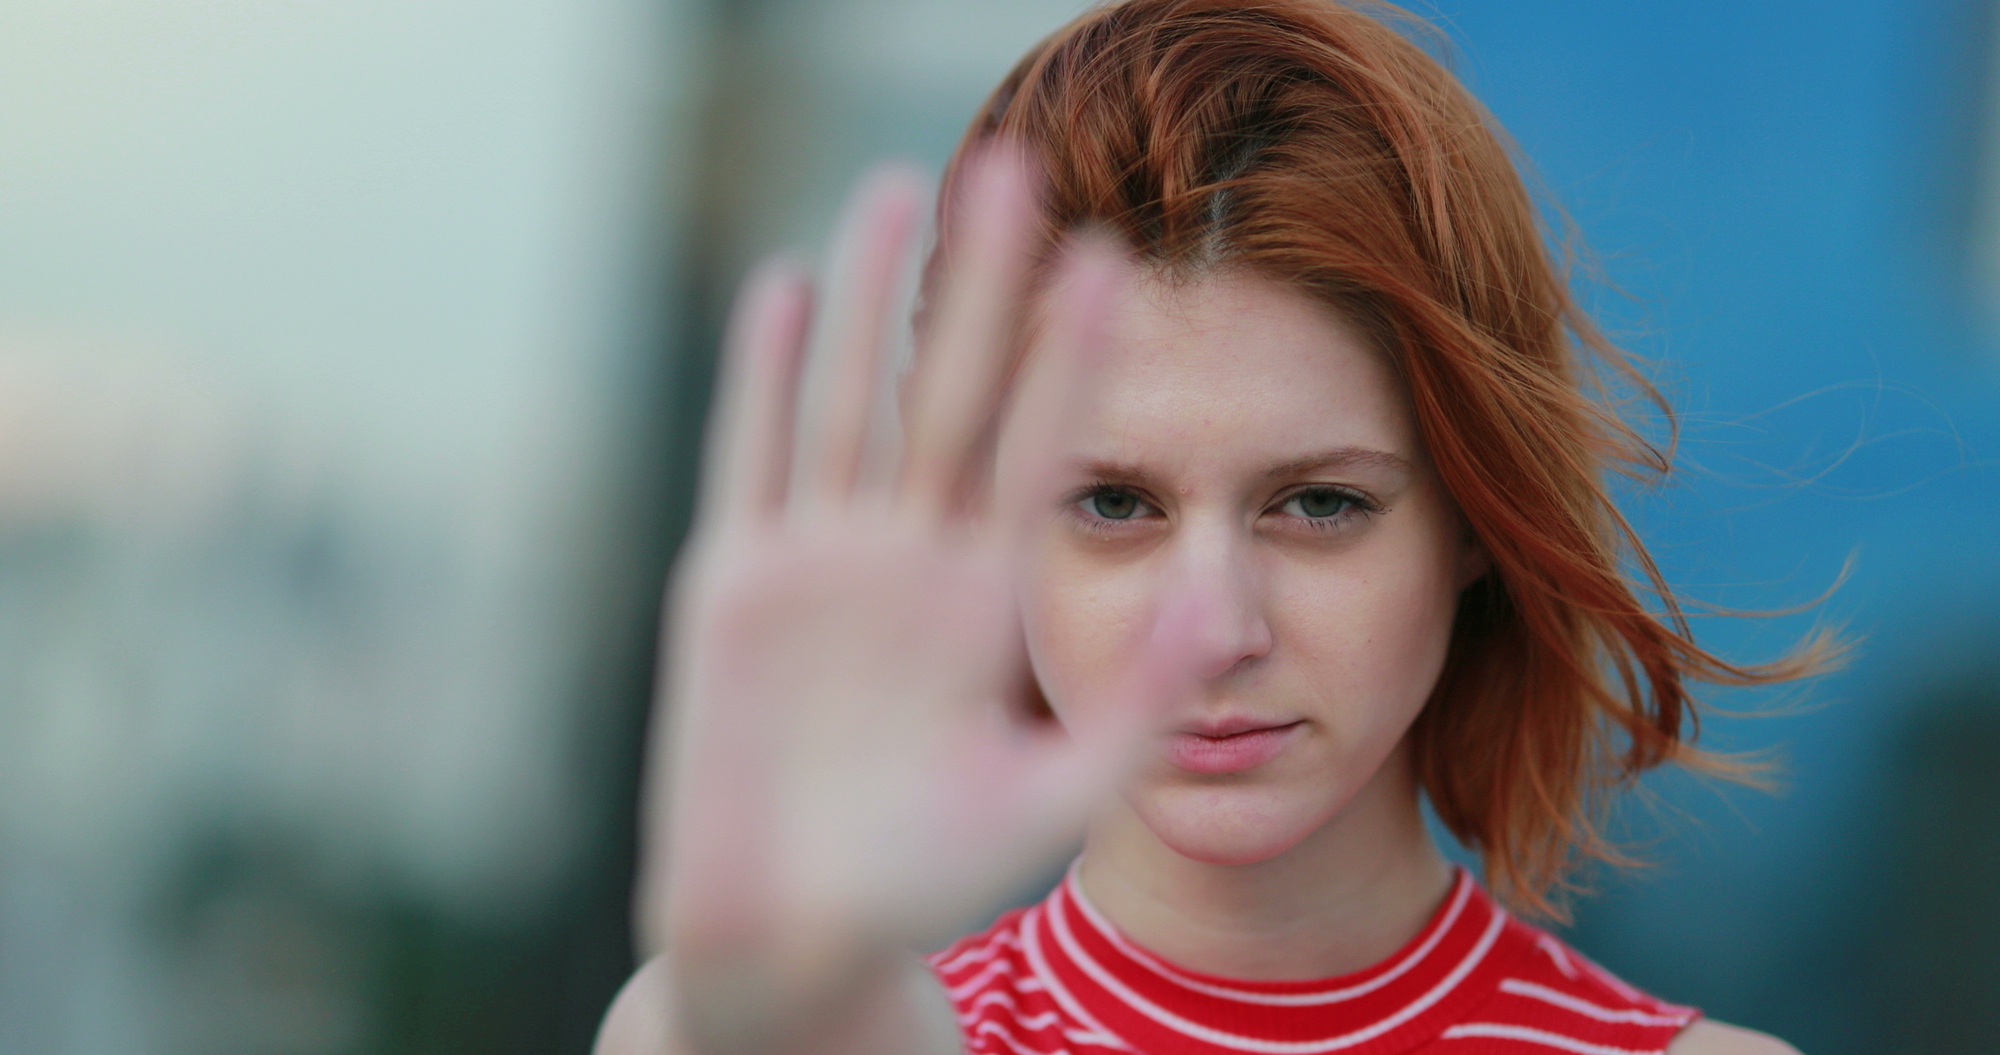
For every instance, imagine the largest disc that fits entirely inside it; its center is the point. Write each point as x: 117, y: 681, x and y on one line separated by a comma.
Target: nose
x: 1217, y: 579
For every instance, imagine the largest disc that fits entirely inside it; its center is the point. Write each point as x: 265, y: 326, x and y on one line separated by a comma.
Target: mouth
x: 1229, y: 746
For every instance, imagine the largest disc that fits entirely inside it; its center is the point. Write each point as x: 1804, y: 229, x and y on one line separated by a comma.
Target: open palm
x: 847, y: 765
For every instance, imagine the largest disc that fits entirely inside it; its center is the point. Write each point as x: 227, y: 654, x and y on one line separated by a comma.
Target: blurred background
x: 351, y: 361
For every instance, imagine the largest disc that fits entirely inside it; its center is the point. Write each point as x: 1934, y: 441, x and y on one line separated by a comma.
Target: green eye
x: 1320, y: 503
x: 1113, y: 504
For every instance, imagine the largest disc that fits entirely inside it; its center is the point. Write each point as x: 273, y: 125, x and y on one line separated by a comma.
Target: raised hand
x: 847, y: 764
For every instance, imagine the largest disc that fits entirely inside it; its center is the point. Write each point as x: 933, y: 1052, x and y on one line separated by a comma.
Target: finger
x: 1023, y: 790
x: 750, y: 426
x: 955, y: 390
x: 1056, y: 382
x: 1108, y: 738
x: 844, y: 367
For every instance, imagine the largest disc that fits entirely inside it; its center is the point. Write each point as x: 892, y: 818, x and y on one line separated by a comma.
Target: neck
x: 1342, y: 899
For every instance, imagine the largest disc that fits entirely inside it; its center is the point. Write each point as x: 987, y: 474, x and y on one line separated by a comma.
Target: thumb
x: 1111, y: 737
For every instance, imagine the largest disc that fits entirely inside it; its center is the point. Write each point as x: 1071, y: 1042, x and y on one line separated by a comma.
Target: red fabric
x: 1057, y: 979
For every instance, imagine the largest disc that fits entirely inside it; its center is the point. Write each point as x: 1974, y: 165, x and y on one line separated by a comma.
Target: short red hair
x: 1312, y: 142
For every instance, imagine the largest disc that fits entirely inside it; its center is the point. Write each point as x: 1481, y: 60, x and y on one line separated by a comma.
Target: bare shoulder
x: 637, y: 1023
x: 1709, y: 1037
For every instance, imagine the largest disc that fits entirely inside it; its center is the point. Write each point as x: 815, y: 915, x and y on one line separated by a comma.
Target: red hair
x: 1311, y: 142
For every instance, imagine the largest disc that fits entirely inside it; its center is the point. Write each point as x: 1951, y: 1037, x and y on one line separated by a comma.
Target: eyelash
x: 1358, y: 505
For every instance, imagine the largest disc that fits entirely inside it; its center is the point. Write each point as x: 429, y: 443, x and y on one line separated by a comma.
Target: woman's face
x: 1247, y: 445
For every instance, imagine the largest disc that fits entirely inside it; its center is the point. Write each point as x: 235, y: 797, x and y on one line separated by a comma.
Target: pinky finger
x: 750, y: 425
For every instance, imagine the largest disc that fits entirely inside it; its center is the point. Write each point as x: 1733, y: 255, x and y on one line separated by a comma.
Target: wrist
x: 772, y: 988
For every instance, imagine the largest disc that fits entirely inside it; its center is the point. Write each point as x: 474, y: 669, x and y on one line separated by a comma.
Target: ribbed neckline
x: 1107, y: 980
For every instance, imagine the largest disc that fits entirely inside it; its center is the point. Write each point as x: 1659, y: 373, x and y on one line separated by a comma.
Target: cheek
x: 1082, y: 621
x: 1372, y: 629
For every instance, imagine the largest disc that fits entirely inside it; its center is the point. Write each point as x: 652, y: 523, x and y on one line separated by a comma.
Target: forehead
x: 1237, y: 362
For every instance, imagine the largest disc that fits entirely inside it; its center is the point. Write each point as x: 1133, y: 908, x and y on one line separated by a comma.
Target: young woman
x: 1247, y: 491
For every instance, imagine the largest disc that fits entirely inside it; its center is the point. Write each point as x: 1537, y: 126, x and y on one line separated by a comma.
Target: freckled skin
x: 1249, y: 498
x: 1205, y: 388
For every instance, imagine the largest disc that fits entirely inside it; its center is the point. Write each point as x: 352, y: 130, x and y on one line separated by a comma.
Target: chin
x: 1229, y: 824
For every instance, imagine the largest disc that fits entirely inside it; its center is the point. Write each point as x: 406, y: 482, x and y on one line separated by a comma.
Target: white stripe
x: 1074, y: 1036
x: 998, y: 1030
x: 1033, y: 1023
x: 979, y: 953
x: 997, y: 996
x: 971, y: 985
x: 1539, y: 1036
x: 1172, y: 1021
x: 1031, y: 946
x: 1037, y: 1023
x: 1560, y: 999
x: 1001, y: 996
x: 1555, y: 951
x: 1462, y: 890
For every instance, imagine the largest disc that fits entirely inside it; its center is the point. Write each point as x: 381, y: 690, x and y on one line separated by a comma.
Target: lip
x: 1229, y: 745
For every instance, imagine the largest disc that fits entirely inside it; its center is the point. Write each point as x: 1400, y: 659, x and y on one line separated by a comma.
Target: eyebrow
x: 1340, y: 458
x: 1336, y: 458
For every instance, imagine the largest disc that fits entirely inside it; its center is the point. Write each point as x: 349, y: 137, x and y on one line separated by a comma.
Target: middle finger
x: 838, y: 399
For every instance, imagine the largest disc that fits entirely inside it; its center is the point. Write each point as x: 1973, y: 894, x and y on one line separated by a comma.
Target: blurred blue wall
x: 1794, y: 206
x: 1790, y: 195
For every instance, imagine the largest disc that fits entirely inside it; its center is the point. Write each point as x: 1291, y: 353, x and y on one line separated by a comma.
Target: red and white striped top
x: 1058, y: 979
